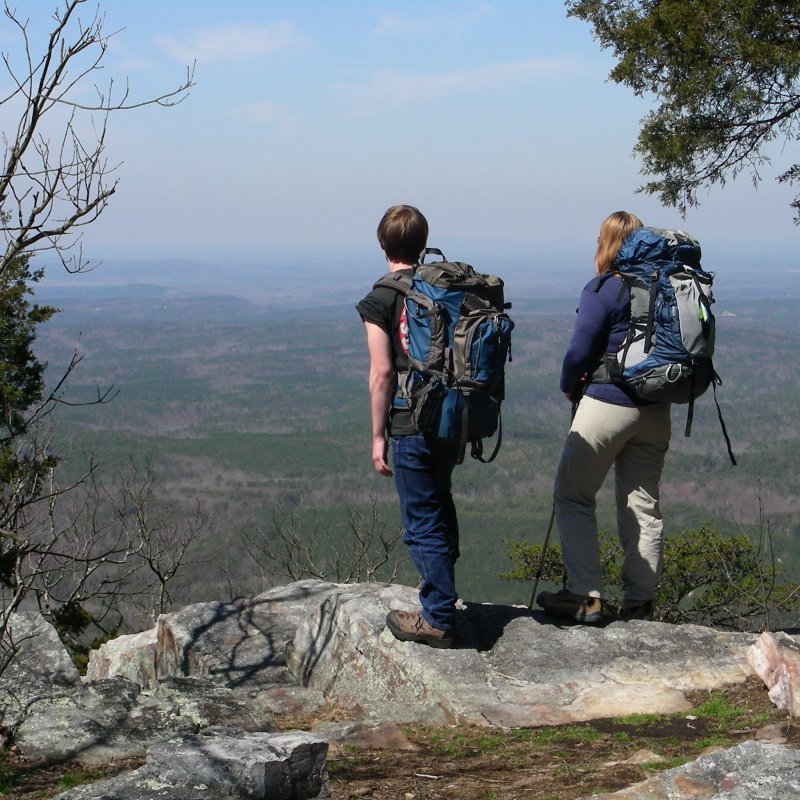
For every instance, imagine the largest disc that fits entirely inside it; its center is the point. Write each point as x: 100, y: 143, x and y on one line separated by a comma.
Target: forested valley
x: 247, y: 412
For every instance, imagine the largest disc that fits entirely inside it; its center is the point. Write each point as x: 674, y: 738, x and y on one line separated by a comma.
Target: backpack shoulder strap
x: 398, y: 281
x: 601, y: 279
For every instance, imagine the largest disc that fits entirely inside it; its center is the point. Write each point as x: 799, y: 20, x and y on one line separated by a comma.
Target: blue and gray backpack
x: 459, y: 340
x: 667, y: 354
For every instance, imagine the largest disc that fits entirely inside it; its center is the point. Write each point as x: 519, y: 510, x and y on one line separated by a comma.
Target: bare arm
x: 381, y: 388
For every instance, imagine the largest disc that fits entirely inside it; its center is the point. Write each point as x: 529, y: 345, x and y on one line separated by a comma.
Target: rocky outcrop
x: 114, y: 719
x: 233, y: 667
x: 222, y: 763
x: 750, y: 771
x: 131, y: 656
x: 296, y: 647
x: 514, y: 668
x: 40, y: 666
x: 775, y: 658
x: 51, y: 715
x: 41, y: 660
x: 238, y: 645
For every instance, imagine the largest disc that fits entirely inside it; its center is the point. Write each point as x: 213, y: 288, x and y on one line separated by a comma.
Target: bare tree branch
x: 87, y: 556
x: 51, y: 192
x: 296, y: 547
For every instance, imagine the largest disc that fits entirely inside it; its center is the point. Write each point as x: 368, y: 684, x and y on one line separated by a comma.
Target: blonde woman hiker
x: 611, y: 428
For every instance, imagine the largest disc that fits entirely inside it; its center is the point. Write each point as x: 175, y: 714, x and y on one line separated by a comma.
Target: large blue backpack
x: 667, y: 353
x: 459, y: 337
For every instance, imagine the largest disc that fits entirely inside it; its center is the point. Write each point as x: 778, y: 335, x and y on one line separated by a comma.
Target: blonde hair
x: 613, y: 231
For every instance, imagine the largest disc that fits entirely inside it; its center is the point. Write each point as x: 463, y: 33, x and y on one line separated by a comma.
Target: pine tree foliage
x: 726, y: 76
x: 23, y: 465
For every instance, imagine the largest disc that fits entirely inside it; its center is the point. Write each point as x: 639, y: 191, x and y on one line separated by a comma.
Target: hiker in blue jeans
x: 422, y: 465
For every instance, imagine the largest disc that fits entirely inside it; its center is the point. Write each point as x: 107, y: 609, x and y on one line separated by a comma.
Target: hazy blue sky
x: 310, y: 117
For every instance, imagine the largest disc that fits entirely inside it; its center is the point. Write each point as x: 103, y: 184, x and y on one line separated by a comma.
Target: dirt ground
x: 477, y: 763
x: 554, y: 763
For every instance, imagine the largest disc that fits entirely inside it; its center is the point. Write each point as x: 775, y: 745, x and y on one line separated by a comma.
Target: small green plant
x: 713, y: 740
x: 539, y: 736
x: 580, y: 733
x: 667, y: 763
x: 638, y: 719
x: 527, y: 735
x: 488, y: 743
x: 758, y: 720
x: 71, y: 779
x: 340, y: 765
x: 719, y: 708
x: 8, y: 777
x: 724, y: 581
x: 567, y: 733
x: 450, y: 743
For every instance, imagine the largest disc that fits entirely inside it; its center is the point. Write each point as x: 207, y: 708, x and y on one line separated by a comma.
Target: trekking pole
x: 544, y: 553
x: 549, y: 531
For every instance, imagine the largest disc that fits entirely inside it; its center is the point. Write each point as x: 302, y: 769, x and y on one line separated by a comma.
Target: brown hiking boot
x: 588, y: 610
x: 410, y: 626
x: 643, y: 610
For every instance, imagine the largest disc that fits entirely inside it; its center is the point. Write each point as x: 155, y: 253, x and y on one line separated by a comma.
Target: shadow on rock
x: 480, y: 626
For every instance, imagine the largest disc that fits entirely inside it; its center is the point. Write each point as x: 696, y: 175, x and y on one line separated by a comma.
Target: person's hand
x: 576, y: 392
x: 380, y: 456
x: 574, y: 395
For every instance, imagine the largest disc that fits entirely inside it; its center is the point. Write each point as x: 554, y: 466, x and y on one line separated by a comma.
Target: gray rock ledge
x: 749, y: 771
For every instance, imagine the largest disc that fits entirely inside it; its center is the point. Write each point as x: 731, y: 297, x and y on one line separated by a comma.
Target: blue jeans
x: 423, y: 469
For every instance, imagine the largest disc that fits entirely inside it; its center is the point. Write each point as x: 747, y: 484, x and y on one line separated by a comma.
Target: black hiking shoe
x: 577, y: 607
x: 410, y: 626
x: 643, y: 610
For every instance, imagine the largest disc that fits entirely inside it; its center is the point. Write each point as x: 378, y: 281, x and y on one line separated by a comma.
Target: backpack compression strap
x: 462, y: 445
x: 477, y: 445
x: 651, y: 322
x: 714, y: 381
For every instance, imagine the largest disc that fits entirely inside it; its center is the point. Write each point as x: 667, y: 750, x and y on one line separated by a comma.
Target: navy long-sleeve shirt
x: 602, y: 323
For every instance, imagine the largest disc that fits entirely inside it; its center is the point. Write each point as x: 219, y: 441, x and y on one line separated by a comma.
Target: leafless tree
x: 56, y: 178
x: 163, y: 544
x: 80, y: 552
x: 94, y: 559
x: 766, y: 598
x: 296, y: 546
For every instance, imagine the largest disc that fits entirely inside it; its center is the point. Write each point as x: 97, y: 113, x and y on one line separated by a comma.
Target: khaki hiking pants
x: 635, y: 441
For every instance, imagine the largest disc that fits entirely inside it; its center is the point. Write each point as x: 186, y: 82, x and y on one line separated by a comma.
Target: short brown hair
x: 403, y: 234
x: 613, y: 231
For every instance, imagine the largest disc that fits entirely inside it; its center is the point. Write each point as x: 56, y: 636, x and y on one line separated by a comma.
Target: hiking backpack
x: 459, y: 338
x: 667, y: 353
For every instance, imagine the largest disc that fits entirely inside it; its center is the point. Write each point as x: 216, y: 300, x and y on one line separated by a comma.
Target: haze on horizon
x: 309, y: 119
